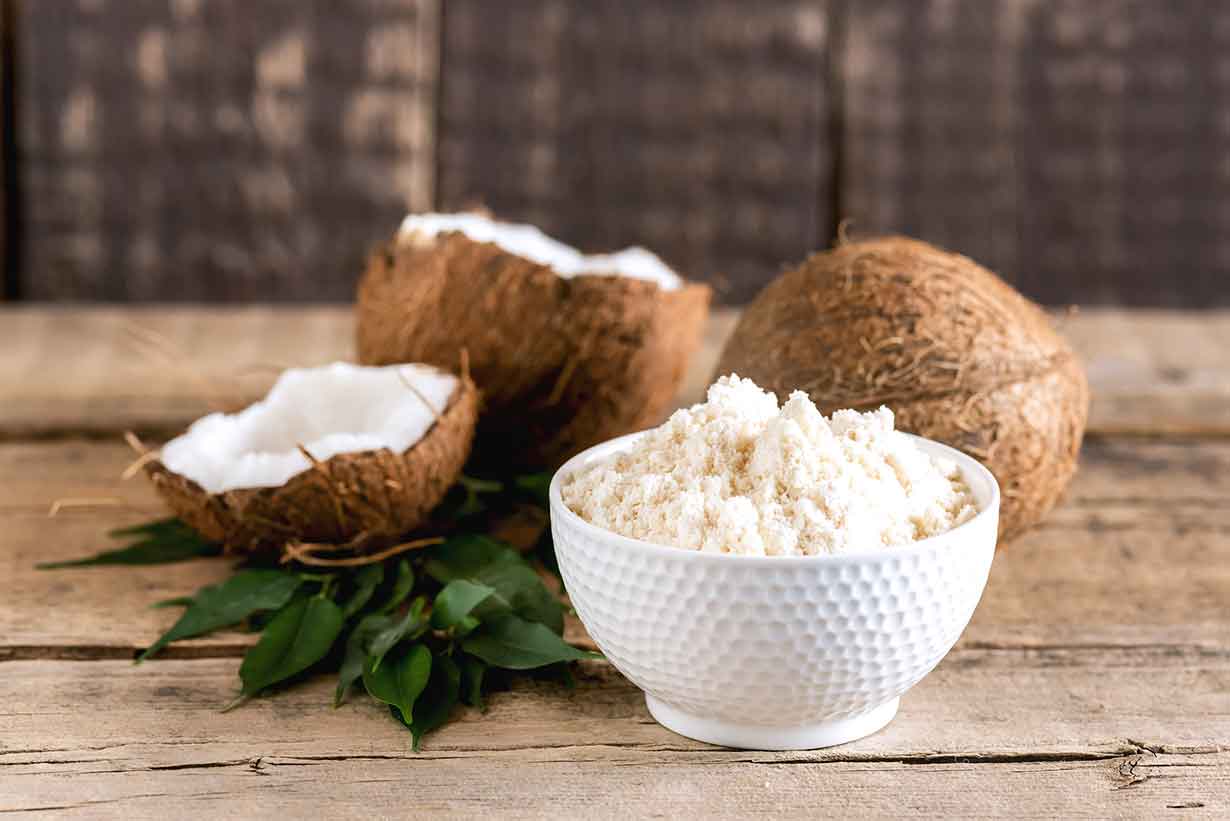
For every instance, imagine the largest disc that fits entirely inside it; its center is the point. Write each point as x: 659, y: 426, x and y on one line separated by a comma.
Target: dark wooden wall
x: 218, y: 149
x: 233, y: 150
x: 696, y: 127
x: 1081, y: 148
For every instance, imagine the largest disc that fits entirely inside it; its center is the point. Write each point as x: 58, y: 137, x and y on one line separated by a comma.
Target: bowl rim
x: 970, y: 468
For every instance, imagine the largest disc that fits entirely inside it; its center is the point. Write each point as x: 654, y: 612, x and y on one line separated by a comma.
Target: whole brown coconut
x: 957, y: 354
x: 563, y: 363
x: 375, y: 496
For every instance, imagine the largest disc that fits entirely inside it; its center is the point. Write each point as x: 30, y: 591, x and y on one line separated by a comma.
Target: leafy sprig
x: 419, y: 632
x: 158, y: 542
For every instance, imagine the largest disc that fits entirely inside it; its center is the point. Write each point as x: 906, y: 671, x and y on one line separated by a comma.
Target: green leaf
x: 437, y: 700
x: 366, y: 581
x: 413, y: 624
x: 478, y: 485
x: 472, y: 670
x: 178, y: 601
x: 300, y: 635
x: 486, y: 561
x: 536, y: 486
x: 232, y: 601
x: 403, y: 583
x: 455, y: 602
x: 400, y: 682
x: 356, y: 652
x: 465, y: 499
x: 474, y: 490
x: 561, y: 672
x: 170, y: 524
x: 517, y: 644
x: 160, y: 542
x: 466, y: 626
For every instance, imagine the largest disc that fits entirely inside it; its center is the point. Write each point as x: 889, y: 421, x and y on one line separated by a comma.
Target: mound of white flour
x: 737, y: 474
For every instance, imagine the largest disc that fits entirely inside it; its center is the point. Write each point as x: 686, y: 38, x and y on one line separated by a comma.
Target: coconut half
x: 569, y: 349
x: 332, y: 454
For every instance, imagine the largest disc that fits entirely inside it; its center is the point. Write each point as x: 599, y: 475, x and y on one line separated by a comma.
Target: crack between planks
x: 21, y: 432
x: 104, y: 652
x: 1142, y: 432
x: 1131, y: 751
x: 1165, y: 504
x: 1178, y: 749
x: 190, y: 652
x: 1027, y: 647
x: 11, y: 433
x: 82, y: 804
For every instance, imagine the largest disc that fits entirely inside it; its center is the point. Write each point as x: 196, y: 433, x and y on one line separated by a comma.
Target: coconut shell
x: 371, y: 496
x: 953, y: 350
x: 563, y: 363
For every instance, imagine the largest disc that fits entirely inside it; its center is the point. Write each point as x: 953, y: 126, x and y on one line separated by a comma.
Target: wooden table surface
x: 1093, y: 681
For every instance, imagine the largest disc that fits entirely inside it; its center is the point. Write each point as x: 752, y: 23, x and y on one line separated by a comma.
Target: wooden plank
x: 1155, y: 372
x: 100, y: 612
x: 1067, y: 145
x: 106, y: 370
x: 704, y: 362
x: 1135, y: 507
x: 221, y: 150
x: 970, y: 707
x: 987, y: 734
x: 1091, y: 682
x: 1138, y: 553
x: 469, y: 788
x: 694, y: 128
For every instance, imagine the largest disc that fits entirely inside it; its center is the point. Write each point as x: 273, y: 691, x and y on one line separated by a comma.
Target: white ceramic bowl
x: 775, y: 652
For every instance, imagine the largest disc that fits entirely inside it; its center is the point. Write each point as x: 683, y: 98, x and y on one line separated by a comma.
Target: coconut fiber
x: 955, y: 352
x: 563, y: 363
x: 368, y: 498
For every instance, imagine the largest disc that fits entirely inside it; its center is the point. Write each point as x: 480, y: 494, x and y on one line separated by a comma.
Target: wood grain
x: 1091, y: 682
x: 169, y: 714
x: 1155, y: 372
x: 695, y: 128
x: 974, y: 739
x: 1066, y: 145
x: 1135, y: 507
x: 104, y: 370
x: 220, y: 151
x: 101, y: 371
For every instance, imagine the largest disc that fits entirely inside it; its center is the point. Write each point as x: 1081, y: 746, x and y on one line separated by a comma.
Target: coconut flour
x: 738, y: 474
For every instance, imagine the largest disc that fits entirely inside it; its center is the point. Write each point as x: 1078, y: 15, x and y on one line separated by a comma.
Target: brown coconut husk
x: 363, y: 500
x: 563, y: 363
x: 953, y: 350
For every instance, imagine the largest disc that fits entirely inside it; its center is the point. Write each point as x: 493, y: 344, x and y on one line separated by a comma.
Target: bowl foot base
x: 759, y: 737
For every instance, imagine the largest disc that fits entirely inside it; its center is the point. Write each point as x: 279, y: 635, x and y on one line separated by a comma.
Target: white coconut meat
x: 532, y: 244
x: 338, y: 408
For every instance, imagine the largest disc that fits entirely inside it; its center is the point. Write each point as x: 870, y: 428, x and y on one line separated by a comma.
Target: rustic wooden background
x: 227, y: 150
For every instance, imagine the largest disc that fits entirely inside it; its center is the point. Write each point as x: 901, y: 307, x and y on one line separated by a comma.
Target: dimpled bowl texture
x: 775, y: 652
